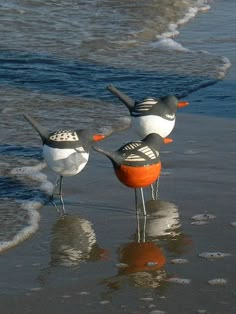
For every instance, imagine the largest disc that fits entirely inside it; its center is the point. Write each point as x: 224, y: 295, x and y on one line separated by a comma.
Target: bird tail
x: 40, y: 129
x: 111, y: 155
x: 128, y: 101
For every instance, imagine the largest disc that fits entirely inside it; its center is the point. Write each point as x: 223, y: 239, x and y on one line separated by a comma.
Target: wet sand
x: 71, y: 266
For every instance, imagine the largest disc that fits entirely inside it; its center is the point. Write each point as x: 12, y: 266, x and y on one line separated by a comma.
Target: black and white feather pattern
x: 144, y: 106
x: 139, y: 152
x: 64, y: 135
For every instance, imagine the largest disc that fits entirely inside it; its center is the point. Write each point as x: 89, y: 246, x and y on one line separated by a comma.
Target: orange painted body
x: 138, y: 255
x: 138, y: 177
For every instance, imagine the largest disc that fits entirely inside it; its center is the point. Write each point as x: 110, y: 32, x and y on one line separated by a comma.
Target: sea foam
x: 23, y: 220
x: 201, y: 5
x: 169, y: 44
x: 33, y: 223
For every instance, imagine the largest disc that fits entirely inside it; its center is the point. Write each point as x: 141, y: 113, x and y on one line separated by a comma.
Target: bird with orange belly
x: 137, y: 164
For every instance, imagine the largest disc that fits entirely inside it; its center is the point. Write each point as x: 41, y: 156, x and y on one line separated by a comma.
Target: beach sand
x: 198, y: 178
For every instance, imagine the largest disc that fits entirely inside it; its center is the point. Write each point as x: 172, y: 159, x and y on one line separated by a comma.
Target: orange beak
x: 167, y: 140
x: 98, y: 137
x: 182, y: 104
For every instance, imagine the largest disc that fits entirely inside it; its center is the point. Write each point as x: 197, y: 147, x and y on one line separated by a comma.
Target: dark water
x: 48, y: 74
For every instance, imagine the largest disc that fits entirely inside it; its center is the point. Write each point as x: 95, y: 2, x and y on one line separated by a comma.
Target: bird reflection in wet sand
x: 141, y: 262
x: 74, y: 241
x: 163, y: 226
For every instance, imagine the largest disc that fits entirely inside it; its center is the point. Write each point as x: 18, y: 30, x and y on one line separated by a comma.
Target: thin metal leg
x: 52, y: 195
x: 153, y: 192
x: 137, y: 215
x: 143, y: 202
x: 144, y: 228
x: 60, y: 195
x: 138, y: 228
x: 157, y: 189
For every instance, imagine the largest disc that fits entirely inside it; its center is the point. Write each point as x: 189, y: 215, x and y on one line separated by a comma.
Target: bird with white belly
x: 66, y: 152
x: 151, y: 115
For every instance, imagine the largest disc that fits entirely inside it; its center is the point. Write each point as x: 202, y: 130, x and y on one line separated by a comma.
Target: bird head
x: 155, y: 140
x: 173, y: 103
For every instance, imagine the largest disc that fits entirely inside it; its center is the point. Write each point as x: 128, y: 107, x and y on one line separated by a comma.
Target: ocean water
x: 56, y: 59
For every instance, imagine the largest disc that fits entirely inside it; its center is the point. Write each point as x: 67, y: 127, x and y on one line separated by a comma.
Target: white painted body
x: 146, y: 125
x: 66, y: 161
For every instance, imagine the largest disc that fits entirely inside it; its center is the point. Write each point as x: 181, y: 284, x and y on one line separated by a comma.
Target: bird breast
x: 65, y: 162
x: 146, y: 125
x: 138, y: 177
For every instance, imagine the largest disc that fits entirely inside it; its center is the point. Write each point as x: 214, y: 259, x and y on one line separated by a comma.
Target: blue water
x: 53, y: 52
x: 70, y: 77
x: 214, y: 32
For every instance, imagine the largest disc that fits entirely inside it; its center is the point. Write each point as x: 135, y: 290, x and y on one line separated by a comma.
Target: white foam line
x: 28, y: 170
x: 190, y: 14
x: 165, y: 42
x: 223, y: 69
x: 31, y: 206
x: 170, y: 44
x: 35, y: 174
x: 34, y: 218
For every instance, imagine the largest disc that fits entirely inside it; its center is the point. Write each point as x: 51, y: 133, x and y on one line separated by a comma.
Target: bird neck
x: 154, y: 140
x: 171, y: 103
x: 115, y: 158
